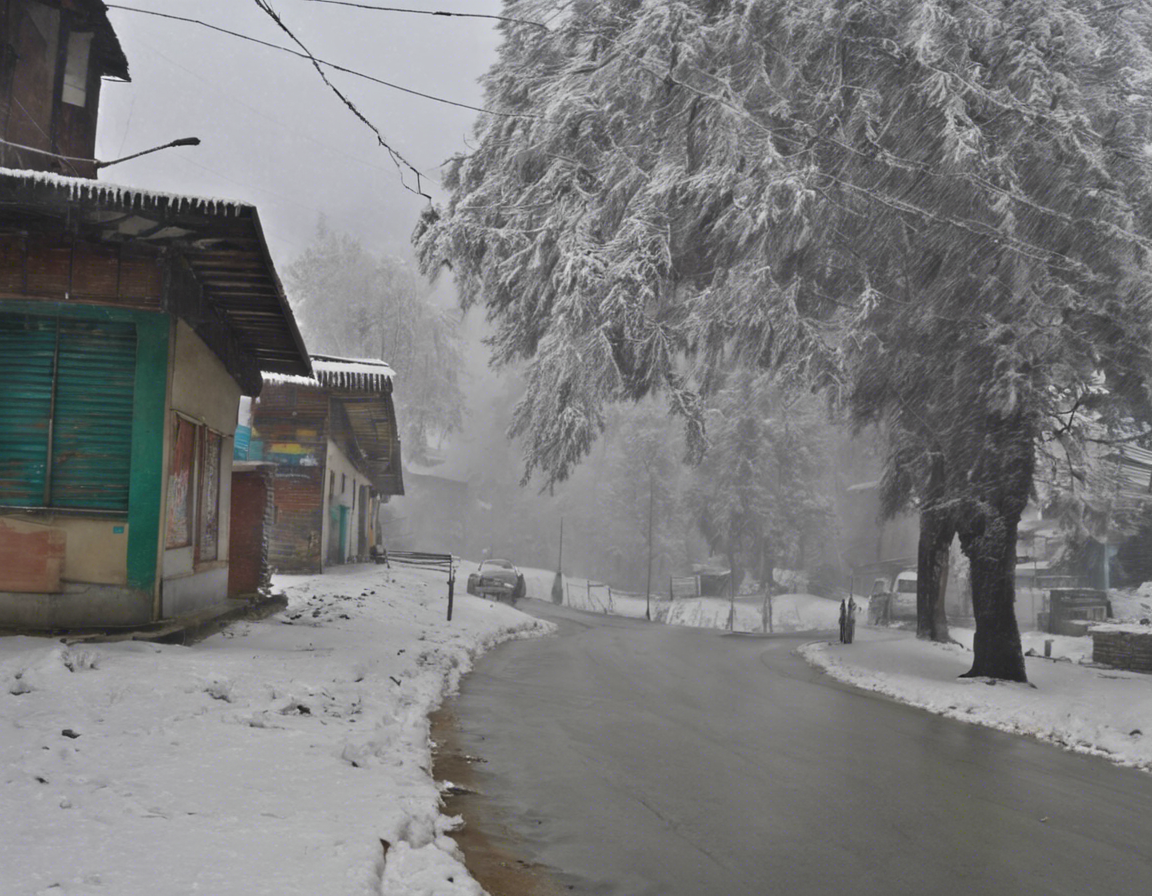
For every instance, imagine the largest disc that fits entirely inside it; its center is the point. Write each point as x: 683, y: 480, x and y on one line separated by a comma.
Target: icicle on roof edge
x: 81, y: 188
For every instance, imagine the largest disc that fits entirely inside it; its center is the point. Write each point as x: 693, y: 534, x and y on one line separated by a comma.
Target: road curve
x: 642, y: 759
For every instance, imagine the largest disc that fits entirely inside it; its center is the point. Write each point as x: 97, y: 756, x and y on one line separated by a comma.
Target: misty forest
x: 933, y: 217
x: 730, y: 256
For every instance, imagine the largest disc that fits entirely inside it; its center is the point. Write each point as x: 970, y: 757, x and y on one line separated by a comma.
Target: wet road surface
x: 646, y: 759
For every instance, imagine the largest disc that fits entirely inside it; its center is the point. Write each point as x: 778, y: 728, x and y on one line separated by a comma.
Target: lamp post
x: 648, y: 587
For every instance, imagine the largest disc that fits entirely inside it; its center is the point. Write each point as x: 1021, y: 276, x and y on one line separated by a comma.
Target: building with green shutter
x: 130, y: 325
x: 131, y: 322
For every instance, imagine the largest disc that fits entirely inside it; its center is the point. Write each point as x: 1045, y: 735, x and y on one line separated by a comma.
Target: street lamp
x: 183, y: 141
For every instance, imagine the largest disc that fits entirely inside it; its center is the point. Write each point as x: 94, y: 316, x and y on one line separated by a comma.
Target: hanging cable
x: 397, y: 159
x: 429, y: 12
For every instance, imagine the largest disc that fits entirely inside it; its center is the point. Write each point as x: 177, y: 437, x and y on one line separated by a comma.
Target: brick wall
x: 1123, y: 650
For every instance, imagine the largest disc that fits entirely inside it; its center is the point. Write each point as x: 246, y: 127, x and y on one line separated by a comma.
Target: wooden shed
x: 333, y: 438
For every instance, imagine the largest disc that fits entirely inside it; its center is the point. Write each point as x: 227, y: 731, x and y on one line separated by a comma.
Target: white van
x: 904, y: 595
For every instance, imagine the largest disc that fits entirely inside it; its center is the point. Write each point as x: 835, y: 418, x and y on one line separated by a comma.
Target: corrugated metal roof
x: 221, y: 240
x: 347, y: 374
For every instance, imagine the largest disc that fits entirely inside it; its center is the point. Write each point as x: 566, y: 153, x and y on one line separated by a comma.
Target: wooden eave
x: 372, y: 418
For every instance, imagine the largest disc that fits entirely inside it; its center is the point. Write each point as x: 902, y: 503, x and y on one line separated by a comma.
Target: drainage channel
x: 490, y: 849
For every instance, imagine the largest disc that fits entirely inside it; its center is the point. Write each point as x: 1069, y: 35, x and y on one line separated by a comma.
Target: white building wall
x: 340, y: 491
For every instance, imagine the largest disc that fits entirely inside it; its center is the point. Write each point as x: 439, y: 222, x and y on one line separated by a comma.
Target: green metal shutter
x: 27, y: 346
x: 92, y: 437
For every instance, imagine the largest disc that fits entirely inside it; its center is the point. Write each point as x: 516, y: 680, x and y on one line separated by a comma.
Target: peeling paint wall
x: 201, y: 386
x: 204, y: 392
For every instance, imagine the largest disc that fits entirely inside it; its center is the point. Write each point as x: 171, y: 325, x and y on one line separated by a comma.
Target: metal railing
x: 423, y: 560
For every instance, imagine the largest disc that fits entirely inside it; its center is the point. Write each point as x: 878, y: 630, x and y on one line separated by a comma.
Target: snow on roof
x: 81, y: 188
x: 1127, y: 628
x: 352, y: 374
x: 334, y: 364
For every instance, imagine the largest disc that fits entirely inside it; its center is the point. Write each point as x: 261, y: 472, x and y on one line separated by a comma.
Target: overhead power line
x: 230, y: 96
x: 397, y: 159
x: 332, y: 65
x: 429, y: 12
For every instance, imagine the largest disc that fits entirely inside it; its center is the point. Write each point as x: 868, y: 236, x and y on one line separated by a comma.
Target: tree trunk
x: 767, y: 582
x: 998, y: 491
x: 937, y: 528
x: 936, y: 532
x: 992, y: 557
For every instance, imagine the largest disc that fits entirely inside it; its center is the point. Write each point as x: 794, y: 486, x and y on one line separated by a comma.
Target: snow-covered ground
x: 273, y: 758
x: 790, y: 612
x: 1091, y: 710
x: 1078, y: 650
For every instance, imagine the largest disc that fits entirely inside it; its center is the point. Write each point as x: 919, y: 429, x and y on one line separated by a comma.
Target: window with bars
x: 66, y: 414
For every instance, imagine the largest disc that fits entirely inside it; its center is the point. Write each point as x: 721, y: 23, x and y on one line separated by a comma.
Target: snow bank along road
x: 1103, y: 712
x: 272, y: 758
x: 649, y: 759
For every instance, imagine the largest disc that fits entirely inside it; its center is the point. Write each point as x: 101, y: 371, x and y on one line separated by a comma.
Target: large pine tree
x: 937, y: 209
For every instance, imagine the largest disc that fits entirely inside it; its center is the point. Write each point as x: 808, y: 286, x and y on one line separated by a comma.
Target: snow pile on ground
x: 1128, y: 628
x: 1090, y: 710
x: 1132, y: 606
x: 285, y: 756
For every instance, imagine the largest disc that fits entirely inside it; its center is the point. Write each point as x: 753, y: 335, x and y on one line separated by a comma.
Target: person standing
x: 843, y: 622
x: 851, y: 620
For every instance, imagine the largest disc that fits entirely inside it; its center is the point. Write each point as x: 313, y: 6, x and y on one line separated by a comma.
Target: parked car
x: 497, y: 579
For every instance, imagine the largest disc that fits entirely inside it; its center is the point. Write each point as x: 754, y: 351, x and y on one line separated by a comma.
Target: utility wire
x: 331, y: 65
x: 45, y: 152
x: 398, y: 160
x: 429, y: 12
x: 290, y: 129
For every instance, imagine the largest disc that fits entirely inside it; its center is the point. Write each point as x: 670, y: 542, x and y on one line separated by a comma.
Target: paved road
x: 645, y: 759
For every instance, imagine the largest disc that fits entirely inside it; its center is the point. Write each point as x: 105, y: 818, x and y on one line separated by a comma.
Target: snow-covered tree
x: 758, y: 487
x: 938, y: 211
x: 353, y: 303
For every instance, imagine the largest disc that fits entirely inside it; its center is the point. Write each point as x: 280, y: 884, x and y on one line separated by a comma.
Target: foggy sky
x: 272, y: 132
